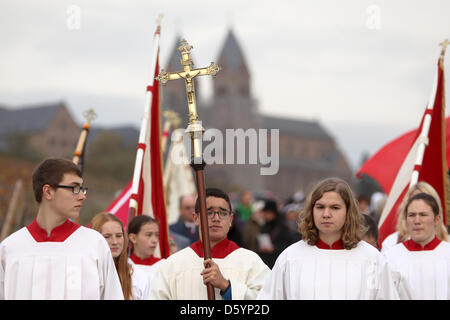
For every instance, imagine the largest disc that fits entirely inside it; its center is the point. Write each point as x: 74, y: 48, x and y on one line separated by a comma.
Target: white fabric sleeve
x: 255, y: 281
x: 274, y: 286
x: 160, y: 287
x: 2, y: 275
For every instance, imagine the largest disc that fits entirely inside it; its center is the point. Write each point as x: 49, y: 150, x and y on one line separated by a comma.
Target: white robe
x: 390, y: 241
x: 179, y: 278
x: 81, y: 267
x: 421, y: 274
x: 140, y: 282
x: 149, y: 271
x: 306, y: 272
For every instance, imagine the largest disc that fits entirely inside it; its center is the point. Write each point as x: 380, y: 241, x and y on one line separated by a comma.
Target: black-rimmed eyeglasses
x: 75, y: 189
x: 223, y: 214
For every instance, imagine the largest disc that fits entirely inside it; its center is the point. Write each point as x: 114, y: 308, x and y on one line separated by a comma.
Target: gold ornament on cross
x: 188, y: 74
x: 444, y: 45
x: 90, y: 115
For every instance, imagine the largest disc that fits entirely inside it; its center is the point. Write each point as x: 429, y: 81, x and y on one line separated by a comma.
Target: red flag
x: 152, y: 185
x: 145, y: 192
x: 399, y: 159
x: 120, y: 205
x: 391, y: 156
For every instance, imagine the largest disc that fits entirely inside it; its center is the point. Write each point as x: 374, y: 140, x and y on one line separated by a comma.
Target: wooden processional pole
x: 90, y: 115
x: 195, y: 130
x: 78, y: 155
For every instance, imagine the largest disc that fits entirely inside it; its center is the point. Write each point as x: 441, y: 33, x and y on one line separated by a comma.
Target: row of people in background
x: 259, y: 227
x: 331, y: 261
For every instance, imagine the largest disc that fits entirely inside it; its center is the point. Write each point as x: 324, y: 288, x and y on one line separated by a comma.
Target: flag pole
x: 420, y: 165
x: 78, y: 155
x: 427, y: 120
x: 172, y: 122
x: 133, y: 204
x: 10, y: 218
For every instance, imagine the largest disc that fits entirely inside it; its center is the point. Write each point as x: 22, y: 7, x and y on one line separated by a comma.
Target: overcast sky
x: 364, y: 69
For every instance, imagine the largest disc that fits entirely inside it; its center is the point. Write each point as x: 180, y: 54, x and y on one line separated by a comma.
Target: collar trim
x: 338, y: 245
x: 219, y: 251
x: 58, y: 234
x: 411, y: 245
x: 147, y: 261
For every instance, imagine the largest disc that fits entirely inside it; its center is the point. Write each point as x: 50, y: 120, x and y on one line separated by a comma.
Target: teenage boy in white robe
x: 235, y: 273
x: 53, y: 257
x: 422, y: 263
x: 331, y: 261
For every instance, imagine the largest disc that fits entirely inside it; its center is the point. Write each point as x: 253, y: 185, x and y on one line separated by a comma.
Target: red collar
x: 414, y: 246
x: 338, y: 245
x: 147, y: 261
x: 58, y: 234
x: 219, y: 251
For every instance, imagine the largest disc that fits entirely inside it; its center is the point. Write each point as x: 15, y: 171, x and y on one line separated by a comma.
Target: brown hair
x: 427, y: 198
x: 51, y: 171
x: 353, y: 229
x: 422, y: 186
x: 123, y: 267
x: 135, y: 225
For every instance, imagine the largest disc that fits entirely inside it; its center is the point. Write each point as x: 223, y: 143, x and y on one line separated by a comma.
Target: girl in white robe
x: 143, y: 232
x: 135, y: 282
x: 402, y: 233
x: 422, y: 263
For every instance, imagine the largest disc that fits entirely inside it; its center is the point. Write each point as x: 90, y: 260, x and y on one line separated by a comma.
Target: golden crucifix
x: 188, y: 74
x: 196, y: 131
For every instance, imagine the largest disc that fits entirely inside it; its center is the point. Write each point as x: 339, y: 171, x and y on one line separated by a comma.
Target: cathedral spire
x: 235, y: 76
x: 231, y: 57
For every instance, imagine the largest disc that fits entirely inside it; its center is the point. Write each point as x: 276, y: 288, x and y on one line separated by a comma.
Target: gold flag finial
x: 444, y: 45
x: 158, y: 21
x: 173, y: 118
x: 90, y: 115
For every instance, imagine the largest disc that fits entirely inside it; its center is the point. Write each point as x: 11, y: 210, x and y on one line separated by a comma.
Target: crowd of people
x: 323, y: 246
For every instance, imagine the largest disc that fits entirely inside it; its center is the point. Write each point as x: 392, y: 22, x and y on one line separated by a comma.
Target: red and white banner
x: 145, y: 192
x: 397, y: 165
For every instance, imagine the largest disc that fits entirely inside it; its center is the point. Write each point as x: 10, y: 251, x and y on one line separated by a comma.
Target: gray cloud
x: 308, y: 59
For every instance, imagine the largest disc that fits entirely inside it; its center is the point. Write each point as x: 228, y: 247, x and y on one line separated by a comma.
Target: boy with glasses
x: 235, y: 273
x: 53, y: 257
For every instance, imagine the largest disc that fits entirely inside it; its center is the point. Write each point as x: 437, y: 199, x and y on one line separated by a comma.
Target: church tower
x: 233, y: 107
x: 233, y: 101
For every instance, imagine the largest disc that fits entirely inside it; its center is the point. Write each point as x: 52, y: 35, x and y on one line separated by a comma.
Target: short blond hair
x: 354, y: 227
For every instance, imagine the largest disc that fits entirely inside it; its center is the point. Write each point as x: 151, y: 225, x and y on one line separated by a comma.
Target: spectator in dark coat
x: 275, y: 235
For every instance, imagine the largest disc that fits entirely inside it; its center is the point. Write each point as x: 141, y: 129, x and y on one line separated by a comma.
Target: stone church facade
x: 48, y: 128
x: 307, y: 152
